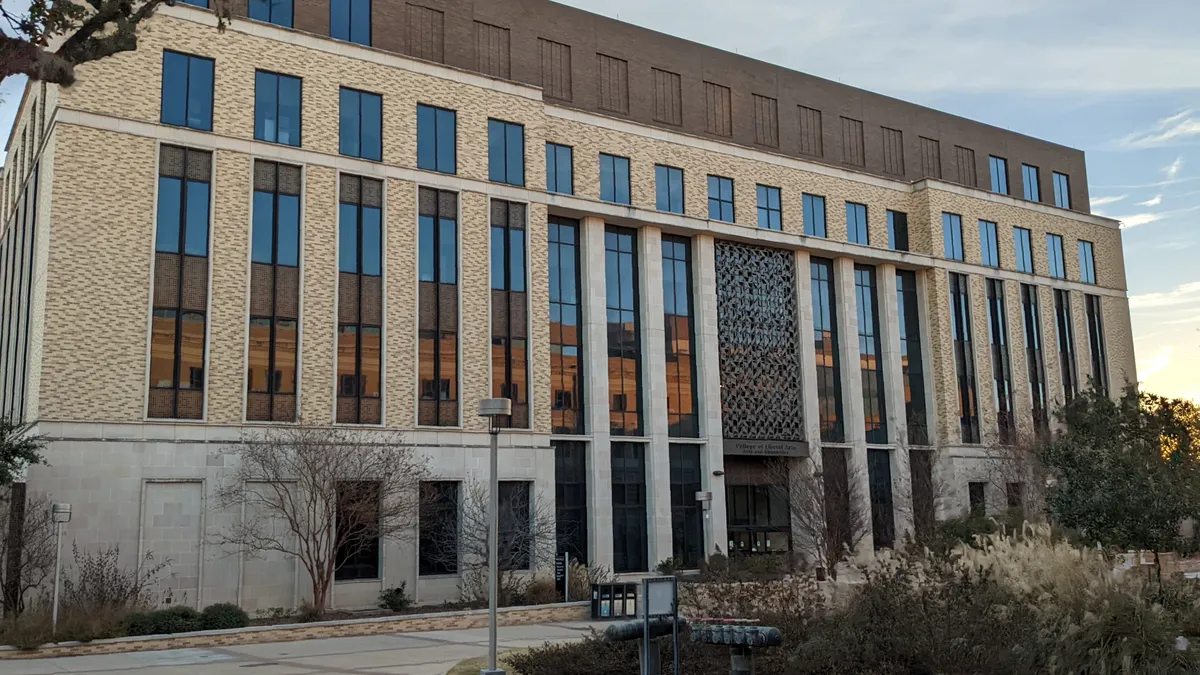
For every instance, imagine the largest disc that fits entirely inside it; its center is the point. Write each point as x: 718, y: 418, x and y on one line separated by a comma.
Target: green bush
x: 395, y: 599
x: 542, y: 591
x: 223, y: 616
x: 177, y: 619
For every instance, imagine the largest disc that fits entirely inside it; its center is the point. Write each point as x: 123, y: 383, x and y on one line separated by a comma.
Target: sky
x: 1119, y: 80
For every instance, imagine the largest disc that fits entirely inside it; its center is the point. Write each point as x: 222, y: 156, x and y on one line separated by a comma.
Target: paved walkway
x: 430, y: 653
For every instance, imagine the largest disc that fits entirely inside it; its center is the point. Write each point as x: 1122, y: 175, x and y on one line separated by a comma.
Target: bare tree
x: 827, y: 507
x: 1014, y: 471
x: 32, y: 551
x: 337, y: 492
x: 47, y: 40
x: 528, y: 539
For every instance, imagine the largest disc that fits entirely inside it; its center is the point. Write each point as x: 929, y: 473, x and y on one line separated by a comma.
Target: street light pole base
x: 487, y: 671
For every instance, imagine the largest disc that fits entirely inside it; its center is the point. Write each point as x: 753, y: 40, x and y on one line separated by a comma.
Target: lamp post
x: 61, y: 514
x: 495, y: 410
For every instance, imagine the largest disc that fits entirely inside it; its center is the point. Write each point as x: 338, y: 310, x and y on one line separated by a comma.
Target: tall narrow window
x: 989, y: 248
x: 668, y: 187
x: 1001, y: 366
x: 977, y: 498
x: 624, y: 333
x: 437, y: 139
x: 759, y: 518
x: 682, y: 418
x: 1065, y: 325
x: 357, y: 555
x: 870, y: 352
x: 566, y: 374
x: 720, y: 199
x: 437, y: 544
x: 829, y: 384
x: 360, y: 301
x: 814, y: 216
x: 856, y: 224
x: 964, y: 357
x: 629, y: 507
x: 506, y: 153
x: 437, y: 222
x: 1095, y: 322
x: 1030, y: 177
x: 180, y: 285
x: 952, y: 240
x: 278, y: 12
x: 920, y: 464
x: 1023, y: 248
x: 510, y: 310
x: 999, y: 167
x: 1087, y: 262
x: 687, y: 532
x: 1054, y: 254
x: 912, y: 367
x: 350, y: 20
x: 274, y: 293
x: 883, y: 515
x: 897, y: 223
x: 187, y: 91
x: 277, y: 108
x: 361, y: 120
x: 515, y: 547
x: 1034, y: 357
x: 560, y: 175
x: 614, y: 179
x: 1062, y: 190
x: 770, y: 211
x: 570, y: 498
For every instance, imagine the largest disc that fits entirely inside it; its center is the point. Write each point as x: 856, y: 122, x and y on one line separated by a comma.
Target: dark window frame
x: 858, y: 229
x: 494, y: 126
x: 998, y: 167
x: 687, y: 529
x: 897, y: 224
x: 1094, y: 308
x: 755, y: 512
x: 723, y: 206
x: 663, y: 176
x: 680, y: 424
x: 571, y: 498
x: 912, y: 359
x: 1087, y: 261
x: 883, y: 513
x: 559, y: 409
x: 1062, y: 190
x: 1035, y: 359
x: 811, y: 227
x: 1054, y: 255
x: 356, y: 565
x: 989, y: 243
x: 515, y: 525
x: 626, y: 352
x: 362, y: 154
x: 1002, y: 381
x: 1065, y: 325
x: 360, y: 326
x: 299, y: 107
x: 629, y: 507
x: 191, y: 59
x: 555, y: 150
x: 349, y: 37
x: 870, y: 349
x: 952, y: 236
x: 977, y: 498
x: 271, y: 6
x: 615, y: 187
x: 1031, y: 181
x: 825, y: 329
x: 1023, y: 249
x: 964, y: 358
x: 441, y: 397
x: 439, y: 508
x: 517, y: 393
x: 439, y: 115
x: 773, y: 215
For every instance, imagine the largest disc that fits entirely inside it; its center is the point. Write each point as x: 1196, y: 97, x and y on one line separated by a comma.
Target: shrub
x: 101, y: 583
x: 222, y: 616
x: 582, y: 577
x: 542, y: 591
x: 395, y: 599
x: 668, y: 566
x: 177, y: 619
x: 31, y: 629
x: 308, y: 612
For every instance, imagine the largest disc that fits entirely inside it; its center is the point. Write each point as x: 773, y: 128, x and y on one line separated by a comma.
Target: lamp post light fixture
x: 496, y: 410
x: 61, y: 514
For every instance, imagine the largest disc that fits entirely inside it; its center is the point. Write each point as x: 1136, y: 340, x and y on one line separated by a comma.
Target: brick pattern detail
x: 613, y: 78
x: 766, y: 121
x: 931, y: 158
x: 718, y: 109
x: 668, y: 97
x: 426, y: 34
x: 965, y: 159
x: 893, y: 151
x: 852, y: 142
x: 492, y: 50
x: 810, y: 132
x: 556, y: 69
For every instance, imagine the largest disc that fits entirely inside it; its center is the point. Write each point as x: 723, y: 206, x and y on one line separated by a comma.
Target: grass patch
x: 473, y: 666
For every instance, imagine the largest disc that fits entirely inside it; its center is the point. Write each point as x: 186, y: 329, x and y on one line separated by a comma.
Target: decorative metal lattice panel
x: 757, y: 333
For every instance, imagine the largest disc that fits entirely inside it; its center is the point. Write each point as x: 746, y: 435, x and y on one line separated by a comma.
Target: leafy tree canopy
x: 18, y: 449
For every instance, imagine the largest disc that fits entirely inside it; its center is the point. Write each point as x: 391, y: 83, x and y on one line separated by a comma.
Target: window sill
x: 351, y: 582
x: 439, y: 577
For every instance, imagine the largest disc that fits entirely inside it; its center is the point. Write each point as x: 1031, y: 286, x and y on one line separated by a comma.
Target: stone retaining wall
x: 415, y: 623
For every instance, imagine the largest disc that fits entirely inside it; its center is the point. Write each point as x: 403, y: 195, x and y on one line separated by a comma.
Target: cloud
x: 1184, y: 294
x: 1138, y: 219
x: 1101, y: 201
x: 1155, y: 364
x: 1152, y: 202
x: 1173, y: 170
x: 1167, y: 131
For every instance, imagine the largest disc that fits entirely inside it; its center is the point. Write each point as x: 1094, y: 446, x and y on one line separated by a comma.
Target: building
x: 678, y: 263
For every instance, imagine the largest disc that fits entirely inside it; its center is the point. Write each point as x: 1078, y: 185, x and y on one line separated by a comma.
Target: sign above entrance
x: 765, y: 448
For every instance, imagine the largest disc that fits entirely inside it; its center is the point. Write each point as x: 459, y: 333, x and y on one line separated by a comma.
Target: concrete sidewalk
x: 430, y: 653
